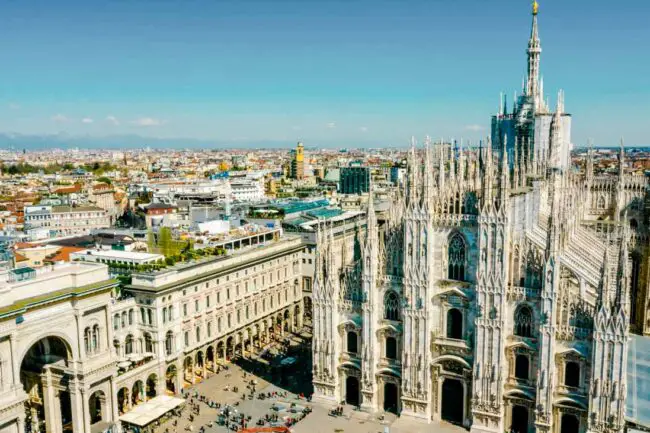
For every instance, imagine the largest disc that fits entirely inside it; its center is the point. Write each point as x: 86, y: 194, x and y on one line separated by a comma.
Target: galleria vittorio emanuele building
x: 496, y: 291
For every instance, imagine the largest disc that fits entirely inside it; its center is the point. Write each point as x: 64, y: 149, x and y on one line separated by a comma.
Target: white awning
x: 150, y: 411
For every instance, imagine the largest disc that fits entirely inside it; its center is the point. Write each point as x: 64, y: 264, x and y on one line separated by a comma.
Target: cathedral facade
x: 495, y: 293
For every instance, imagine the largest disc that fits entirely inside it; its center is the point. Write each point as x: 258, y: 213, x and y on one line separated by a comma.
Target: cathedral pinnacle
x: 534, y: 50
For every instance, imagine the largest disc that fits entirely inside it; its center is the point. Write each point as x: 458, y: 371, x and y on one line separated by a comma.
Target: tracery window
x: 456, y: 261
x: 391, y: 306
x: 524, y: 321
x: 600, y: 203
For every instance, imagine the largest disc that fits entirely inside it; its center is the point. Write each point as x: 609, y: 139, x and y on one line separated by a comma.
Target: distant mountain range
x: 18, y: 142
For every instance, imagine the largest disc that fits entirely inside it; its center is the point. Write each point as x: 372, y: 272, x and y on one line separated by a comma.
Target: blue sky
x: 344, y: 73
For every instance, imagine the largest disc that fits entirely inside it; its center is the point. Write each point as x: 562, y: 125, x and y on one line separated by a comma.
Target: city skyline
x: 356, y: 74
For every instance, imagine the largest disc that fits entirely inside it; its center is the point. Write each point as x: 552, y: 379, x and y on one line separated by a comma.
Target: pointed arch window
x: 456, y: 260
x: 524, y: 321
x: 600, y: 203
x: 391, y: 306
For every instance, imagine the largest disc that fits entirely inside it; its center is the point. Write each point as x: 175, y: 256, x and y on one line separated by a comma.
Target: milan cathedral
x: 495, y: 293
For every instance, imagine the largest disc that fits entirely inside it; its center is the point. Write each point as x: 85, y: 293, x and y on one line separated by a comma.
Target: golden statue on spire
x: 535, y: 7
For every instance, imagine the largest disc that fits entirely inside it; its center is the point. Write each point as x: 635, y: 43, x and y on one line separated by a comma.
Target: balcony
x: 349, y: 356
x: 133, y: 362
x: 568, y: 333
x: 517, y: 293
x: 389, y: 363
x: 443, y: 344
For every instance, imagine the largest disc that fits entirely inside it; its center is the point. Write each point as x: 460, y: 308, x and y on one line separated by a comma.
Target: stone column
x: 103, y: 408
x: 179, y: 377
x: 50, y: 403
x: 114, y: 410
x: 77, y: 407
x: 20, y: 427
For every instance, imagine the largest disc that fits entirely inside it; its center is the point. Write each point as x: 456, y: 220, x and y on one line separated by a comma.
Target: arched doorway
x: 188, y: 374
x: 170, y: 379
x: 352, y: 391
x: 97, y: 407
x: 308, y: 307
x: 297, y: 322
x: 137, y: 393
x: 209, y: 359
x: 452, y: 401
x: 569, y: 423
x: 198, y: 369
x: 286, y: 321
x: 152, y: 383
x: 42, y: 361
x: 519, y: 422
x: 390, y: 397
x: 221, y: 351
x: 123, y: 400
x: 230, y: 348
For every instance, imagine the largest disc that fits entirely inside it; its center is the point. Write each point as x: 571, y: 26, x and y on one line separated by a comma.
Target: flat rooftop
x: 193, y: 271
x: 21, y: 287
x: 117, y: 254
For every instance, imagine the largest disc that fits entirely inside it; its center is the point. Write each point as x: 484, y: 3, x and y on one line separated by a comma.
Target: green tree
x: 165, y: 241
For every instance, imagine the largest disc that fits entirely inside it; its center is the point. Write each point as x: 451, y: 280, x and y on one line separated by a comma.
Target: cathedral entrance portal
x: 452, y: 401
x: 519, y: 419
x: 569, y: 424
x: 352, y: 391
x: 390, y: 398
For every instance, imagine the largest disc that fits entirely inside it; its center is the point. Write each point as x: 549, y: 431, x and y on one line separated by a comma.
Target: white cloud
x: 14, y: 106
x: 331, y: 125
x: 113, y: 120
x: 59, y: 118
x: 147, y: 121
x: 475, y: 128
x: 363, y: 129
x: 296, y: 128
x: 87, y: 120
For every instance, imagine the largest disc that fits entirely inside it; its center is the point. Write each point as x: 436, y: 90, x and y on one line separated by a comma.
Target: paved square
x: 220, y: 388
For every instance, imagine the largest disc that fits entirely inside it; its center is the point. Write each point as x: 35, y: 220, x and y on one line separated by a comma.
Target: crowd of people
x: 187, y: 418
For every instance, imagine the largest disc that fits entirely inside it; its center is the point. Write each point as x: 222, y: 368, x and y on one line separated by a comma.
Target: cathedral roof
x: 637, y: 403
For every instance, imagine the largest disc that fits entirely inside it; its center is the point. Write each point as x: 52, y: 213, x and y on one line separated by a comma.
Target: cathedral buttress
x: 372, y: 306
x: 417, y: 290
x: 490, y: 363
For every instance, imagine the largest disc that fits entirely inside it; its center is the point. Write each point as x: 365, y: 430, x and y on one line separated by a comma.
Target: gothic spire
x: 534, y: 50
x: 621, y: 159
